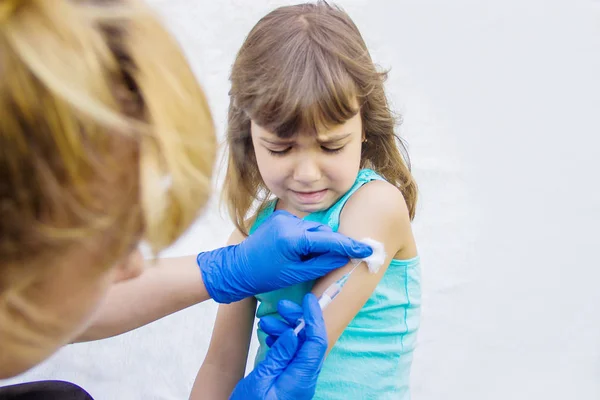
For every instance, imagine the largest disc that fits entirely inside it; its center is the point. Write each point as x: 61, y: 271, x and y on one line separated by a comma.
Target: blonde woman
x: 106, y: 139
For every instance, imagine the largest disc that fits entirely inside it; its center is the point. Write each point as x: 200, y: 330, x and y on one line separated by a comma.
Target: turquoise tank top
x: 372, y: 357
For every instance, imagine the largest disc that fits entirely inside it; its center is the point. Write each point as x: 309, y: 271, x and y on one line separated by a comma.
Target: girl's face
x: 308, y: 172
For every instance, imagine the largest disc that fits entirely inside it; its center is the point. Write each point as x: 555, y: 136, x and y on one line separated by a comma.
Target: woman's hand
x: 284, y: 251
x: 291, y: 368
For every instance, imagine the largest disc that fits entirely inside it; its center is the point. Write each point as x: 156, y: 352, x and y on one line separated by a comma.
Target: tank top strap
x: 331, y: 216
x: 264, y: 214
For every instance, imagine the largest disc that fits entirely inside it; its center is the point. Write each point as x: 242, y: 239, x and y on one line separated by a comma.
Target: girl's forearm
x: 213, y: 383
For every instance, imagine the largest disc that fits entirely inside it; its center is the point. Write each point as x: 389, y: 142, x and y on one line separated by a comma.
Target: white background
x: 501, y: 106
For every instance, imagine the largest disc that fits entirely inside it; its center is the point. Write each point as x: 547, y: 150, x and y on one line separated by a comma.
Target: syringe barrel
x: 333, y: 290
x: 327, y: 297
x: 324, y: 301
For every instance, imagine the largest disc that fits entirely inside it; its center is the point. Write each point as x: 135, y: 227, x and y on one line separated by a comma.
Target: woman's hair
x: 105, y: 135
x: 303, y: 68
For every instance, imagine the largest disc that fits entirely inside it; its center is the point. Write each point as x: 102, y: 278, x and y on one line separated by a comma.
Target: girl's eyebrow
x: 325, y: 140
x: 334, y: 138
x: 276, y: 141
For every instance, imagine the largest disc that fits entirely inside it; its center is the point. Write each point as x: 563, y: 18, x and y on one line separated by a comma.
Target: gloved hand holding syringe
x: 374, y: 262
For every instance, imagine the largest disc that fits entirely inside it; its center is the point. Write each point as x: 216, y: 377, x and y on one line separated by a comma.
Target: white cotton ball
x: 375, y: 260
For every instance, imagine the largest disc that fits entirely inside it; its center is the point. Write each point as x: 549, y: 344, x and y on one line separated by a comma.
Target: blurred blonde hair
x: 106, y: 137
x: 301, y: 69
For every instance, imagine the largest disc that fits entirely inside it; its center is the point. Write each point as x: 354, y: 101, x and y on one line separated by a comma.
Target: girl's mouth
x: 310, y: 197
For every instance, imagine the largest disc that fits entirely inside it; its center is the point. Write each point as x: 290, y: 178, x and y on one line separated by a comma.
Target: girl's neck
x: 280, y: 205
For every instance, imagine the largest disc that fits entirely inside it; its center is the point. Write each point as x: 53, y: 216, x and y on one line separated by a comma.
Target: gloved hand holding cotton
x: 375, y: 260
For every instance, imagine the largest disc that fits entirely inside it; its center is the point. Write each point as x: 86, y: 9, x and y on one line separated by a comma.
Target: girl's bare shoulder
x: 379, y: 207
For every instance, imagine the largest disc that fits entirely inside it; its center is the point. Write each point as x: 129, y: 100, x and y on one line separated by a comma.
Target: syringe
x: 329, y: 294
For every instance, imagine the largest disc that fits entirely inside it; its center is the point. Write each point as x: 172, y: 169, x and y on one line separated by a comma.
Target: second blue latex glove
x: 291, y: 368
x: 283, y: 251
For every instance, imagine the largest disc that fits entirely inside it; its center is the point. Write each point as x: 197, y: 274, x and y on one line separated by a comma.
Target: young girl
x: 310, y: 132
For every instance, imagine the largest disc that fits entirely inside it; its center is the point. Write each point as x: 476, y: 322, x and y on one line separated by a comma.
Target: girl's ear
x: 364, y: 132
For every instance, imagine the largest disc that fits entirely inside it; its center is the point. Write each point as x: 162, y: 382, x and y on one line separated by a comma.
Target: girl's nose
x: 307, y: 170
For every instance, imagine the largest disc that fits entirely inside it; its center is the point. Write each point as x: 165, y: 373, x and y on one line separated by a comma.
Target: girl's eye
x: 279, y: 152
x: 332, y: 150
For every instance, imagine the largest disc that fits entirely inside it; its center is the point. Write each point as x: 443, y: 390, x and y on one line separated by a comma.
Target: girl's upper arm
x: 232, y: 332
x: 378, y: 211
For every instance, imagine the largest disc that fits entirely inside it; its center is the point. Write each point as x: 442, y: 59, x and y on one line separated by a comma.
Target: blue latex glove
x: 291, y: 368
x: 283, y: 251
x: 275, y: 327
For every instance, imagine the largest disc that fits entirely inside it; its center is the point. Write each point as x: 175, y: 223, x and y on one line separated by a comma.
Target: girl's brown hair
x: 302, y: 68
x: 105, y: 135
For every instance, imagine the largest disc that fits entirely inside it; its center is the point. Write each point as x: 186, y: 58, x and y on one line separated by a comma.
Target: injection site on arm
x: 374, y: 263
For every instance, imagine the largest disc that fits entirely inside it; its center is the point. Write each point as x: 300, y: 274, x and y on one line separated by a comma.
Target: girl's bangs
x: 311, y: 93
